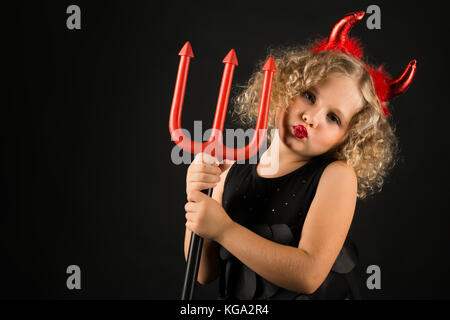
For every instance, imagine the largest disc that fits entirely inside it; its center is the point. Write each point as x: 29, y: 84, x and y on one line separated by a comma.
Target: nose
x: 312, y: 117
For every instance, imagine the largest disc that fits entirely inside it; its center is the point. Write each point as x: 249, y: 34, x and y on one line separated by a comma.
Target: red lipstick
x: 300, y: 131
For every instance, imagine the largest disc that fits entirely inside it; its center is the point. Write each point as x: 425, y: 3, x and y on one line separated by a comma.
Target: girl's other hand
x: 206, y: 217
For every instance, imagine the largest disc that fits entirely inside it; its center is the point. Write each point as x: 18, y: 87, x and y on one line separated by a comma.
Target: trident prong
x: 214, y: 145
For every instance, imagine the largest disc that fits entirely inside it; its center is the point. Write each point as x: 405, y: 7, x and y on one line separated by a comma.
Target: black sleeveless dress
x: 276, y: 208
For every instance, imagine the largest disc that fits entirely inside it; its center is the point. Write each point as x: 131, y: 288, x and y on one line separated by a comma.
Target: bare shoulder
x: 339, y: 173
x: 342, y: 165
x: 338, y: 181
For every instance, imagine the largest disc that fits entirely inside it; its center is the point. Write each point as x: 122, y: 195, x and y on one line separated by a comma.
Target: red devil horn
x: 339, y: 34
x: 399, y: 85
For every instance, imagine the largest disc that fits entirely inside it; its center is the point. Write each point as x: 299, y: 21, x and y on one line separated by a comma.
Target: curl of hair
x: 370, y: 145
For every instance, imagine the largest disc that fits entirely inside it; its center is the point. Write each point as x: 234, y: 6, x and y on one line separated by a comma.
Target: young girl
x: 283, y: 236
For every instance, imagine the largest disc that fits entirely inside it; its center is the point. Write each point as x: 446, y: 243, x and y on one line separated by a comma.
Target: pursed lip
x: 300, y: 131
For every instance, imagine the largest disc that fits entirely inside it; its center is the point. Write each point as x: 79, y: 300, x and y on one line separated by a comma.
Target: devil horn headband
x: 385, y: 88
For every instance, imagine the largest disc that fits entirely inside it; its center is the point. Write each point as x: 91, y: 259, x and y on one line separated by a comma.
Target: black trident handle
x: 193, y: 262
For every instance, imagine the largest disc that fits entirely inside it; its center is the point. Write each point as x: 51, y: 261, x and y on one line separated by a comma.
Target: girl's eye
x: 335, y: 119
x: 310, y: 96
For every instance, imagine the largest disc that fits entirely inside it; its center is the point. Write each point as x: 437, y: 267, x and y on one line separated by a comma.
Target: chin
x: 297, y: 146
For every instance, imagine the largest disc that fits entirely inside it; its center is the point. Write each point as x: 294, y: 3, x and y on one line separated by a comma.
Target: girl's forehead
x: 339, y: 86
x: 340, y: 92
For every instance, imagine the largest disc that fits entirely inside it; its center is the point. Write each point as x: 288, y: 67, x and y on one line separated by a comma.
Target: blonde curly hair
x: 370, y: 145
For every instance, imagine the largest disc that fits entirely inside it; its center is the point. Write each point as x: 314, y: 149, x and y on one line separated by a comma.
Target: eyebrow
x: 341, y: 115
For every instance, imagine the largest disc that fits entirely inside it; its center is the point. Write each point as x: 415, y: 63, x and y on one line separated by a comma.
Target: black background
x: 87, y: 177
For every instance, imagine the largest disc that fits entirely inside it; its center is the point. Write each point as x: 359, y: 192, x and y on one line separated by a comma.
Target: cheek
x: 282, y: 120
x: 329, y: 137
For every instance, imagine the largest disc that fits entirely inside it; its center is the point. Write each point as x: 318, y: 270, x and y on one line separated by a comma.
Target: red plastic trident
x: 214, y: 146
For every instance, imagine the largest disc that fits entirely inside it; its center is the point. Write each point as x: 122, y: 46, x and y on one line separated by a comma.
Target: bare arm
x: 303, y: 269
x: 209, y: 263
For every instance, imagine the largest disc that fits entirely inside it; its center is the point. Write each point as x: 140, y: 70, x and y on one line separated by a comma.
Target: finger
x: 190, y: 216
x: 188, y: 207
x: 203, y: 177
x: 206, y: 158
x: 190, y: 226
x: 205, y: 168
x: 191, y: 207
